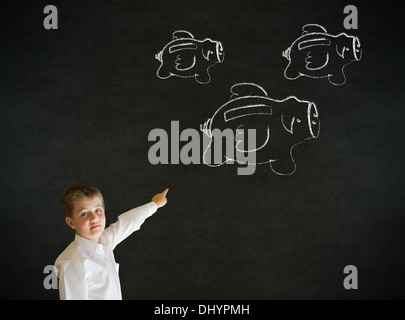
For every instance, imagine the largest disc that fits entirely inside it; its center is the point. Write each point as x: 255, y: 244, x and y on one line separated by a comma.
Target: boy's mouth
x: 95, y: 226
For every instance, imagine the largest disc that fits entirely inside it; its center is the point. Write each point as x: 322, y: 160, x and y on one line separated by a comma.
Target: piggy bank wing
x: 249, y: 116
x: 249, y: 109
x: 185, y: 62
x: 247, y: 140
x: 178, y: 34
x: 317, y: 51
x: 316, y: 60
x: 313, y: 28
x: 183, y: 51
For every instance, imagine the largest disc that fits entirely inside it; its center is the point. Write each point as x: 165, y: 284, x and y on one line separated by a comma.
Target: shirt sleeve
x: 128, y: 222
x: 72, y: 280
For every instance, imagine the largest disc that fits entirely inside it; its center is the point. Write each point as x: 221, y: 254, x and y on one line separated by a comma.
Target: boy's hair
x: 75, y: 193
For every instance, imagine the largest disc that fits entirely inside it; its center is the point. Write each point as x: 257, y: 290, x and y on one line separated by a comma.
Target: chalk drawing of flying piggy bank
x: 317, y: 54
x: 187, y: 57
x: 280, y: 125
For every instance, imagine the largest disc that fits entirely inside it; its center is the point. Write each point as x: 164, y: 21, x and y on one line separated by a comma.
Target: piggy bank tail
x: 206, y: 128
x: 286, y: 54
x: 158, y: 56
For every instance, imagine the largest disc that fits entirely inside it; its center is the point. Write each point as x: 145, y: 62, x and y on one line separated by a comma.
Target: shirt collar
x: 87, y: 244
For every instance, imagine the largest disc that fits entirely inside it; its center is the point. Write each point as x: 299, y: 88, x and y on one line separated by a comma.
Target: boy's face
x: 88, y: 218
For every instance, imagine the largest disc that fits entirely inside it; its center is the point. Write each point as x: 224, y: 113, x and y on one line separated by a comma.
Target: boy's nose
x: 93, y: 218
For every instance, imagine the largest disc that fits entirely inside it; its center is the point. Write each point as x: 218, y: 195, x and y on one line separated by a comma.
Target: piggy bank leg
x: 212, y: 157
x: 284, y: 165
x: 163, y: 72
x: 203, y: 77
x: 291, y: 72
x: 337, y: 79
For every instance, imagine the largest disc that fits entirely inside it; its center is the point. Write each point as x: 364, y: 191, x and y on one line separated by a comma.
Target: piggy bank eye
x: 298, y: 120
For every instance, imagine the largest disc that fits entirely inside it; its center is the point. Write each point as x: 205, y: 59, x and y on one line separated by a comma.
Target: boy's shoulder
x: 72, y: 254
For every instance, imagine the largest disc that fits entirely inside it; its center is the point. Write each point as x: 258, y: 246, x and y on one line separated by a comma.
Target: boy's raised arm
x: 132, y: 220
x: 160, y: 199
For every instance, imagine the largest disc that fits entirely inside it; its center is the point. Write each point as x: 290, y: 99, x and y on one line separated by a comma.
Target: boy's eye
x: 98, y: 210
x: 84, y: 214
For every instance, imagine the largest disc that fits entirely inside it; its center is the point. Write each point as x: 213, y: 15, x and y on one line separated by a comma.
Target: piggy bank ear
x: 341, y: 48
x: 206, y: 53
x: 288, y: 120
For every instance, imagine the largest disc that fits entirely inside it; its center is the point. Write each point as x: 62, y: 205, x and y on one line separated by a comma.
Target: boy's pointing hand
x: 160, y: 199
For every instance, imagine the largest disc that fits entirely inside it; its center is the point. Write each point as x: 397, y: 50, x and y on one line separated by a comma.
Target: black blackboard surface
x: 77, y: 105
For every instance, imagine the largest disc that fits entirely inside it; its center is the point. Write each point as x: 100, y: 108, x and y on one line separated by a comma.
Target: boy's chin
x: 96, y: 231
x: 93, y: 234
x: 97, y: 228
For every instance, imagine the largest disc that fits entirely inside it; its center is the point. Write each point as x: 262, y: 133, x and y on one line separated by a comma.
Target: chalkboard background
x: 78, y: 103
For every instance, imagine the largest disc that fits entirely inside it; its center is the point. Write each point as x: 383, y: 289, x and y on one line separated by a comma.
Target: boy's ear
x: 70, y: 223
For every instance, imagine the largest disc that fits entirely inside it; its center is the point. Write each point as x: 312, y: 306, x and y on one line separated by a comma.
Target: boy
x: 86, y: 268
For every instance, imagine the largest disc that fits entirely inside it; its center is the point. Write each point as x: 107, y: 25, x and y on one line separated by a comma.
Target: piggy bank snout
x: 313, y: 120
x: 213, y: 51
x: 357, y: 51
x: 219, y: 51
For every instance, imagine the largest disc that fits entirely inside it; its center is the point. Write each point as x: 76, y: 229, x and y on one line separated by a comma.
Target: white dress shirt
x: 87, y: 270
